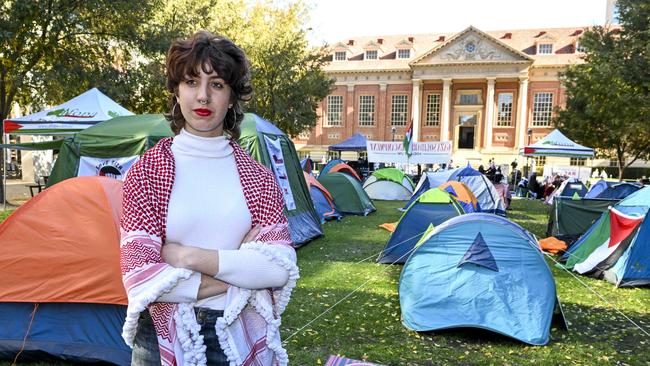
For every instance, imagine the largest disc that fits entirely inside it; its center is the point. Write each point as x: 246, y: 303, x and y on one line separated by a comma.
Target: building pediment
x: 469, y: 46
x: 403, y: 44
x: 339, y: 46
x: 371, y: 45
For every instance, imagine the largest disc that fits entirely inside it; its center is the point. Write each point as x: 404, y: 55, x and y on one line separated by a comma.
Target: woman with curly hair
x: 205, y: 248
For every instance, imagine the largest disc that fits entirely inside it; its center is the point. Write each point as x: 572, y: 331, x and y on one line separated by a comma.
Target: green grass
x: 366, y: 325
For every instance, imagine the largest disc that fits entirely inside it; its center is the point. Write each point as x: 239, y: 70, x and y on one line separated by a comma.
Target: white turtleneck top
x: 207, y: 209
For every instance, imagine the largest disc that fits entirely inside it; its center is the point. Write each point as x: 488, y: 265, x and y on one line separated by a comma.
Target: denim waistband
x: 207, y: 315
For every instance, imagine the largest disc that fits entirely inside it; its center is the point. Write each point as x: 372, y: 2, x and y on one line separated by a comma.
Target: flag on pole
x: 408, y: 140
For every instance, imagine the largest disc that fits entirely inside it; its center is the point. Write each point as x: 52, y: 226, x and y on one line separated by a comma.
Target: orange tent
x: 463, y: 194
x: 345, y: 168
x: 62, y: 291
x: 63, y: 245
x: 322, y: 199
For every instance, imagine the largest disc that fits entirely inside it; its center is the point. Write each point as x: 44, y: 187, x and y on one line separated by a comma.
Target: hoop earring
x: 174, y: 114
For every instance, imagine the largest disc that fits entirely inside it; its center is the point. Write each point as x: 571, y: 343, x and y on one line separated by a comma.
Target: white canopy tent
x: 79, y: 113
x: 556, y: 144
x: 75, y: 115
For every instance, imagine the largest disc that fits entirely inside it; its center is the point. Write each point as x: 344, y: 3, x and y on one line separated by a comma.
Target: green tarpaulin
x: 120, y: 137
x: 260, y: 137
x: 569, y: 217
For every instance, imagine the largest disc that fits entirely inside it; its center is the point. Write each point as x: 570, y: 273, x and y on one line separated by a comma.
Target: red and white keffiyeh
x: 249, y: 330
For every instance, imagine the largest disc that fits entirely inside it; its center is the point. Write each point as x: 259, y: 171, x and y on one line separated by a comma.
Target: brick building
x: 490, y: 93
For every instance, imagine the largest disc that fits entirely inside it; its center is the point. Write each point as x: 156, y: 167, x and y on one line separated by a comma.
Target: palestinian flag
x: 408, y: 140
x: 606, y: 244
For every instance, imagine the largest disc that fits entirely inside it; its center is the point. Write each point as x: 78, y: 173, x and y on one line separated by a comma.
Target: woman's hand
x: 252, y: 234
x: 200, y: 260
x: 177, y: 255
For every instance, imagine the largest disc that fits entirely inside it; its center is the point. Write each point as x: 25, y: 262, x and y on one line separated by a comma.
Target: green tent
x: 271, y: 147
x: 109, y: 148
x: 389, y: 184
x: 349, y: 196
x: 569, y: 218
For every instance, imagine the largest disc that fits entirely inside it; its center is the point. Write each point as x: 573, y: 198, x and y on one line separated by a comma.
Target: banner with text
x: 423, y: 152
x: 579, y: 172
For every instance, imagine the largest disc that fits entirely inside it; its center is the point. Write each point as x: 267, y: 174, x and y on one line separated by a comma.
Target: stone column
x: 522, y: 112
x: 382, y: 104
x: 489, y: 112
x: 349, y: 113
x: 415, y: 108
x: 446, y: 108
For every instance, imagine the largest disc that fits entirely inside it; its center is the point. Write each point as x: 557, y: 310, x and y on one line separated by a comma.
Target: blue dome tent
x: 482, y: 271
x: 433, y: 207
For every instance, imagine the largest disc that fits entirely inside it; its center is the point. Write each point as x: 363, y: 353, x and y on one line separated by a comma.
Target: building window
x: 366, y: 110
x: 545, y: 49
x: 577, y: 161
x: 433, y: 110
x: 339, y: 56
x: 334, y: 110
x: 304, y: 135
x: 403, y: 53
x: 371, y: 55
x: 398, y: 111
x: 540, y: 161
x: 469, y: 97
x: 333, y: 136
x: 613, y: 163
x: 542, y: 109
x: 504, y: 116
x: 367, y: 136
x: 580, y: 48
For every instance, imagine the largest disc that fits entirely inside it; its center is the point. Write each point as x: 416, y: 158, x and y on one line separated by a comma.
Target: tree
x: 608, y: 97
x: 288, y: 82
x: 287, y: 75
x: 51, y: 50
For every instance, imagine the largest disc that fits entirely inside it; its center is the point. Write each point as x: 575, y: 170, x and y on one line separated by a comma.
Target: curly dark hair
x: 214, y: 52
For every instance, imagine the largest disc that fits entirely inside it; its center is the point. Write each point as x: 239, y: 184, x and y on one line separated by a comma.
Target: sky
x: 337, y: 20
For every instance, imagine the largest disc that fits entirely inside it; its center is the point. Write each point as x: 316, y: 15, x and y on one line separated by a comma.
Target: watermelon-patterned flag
x: 408, y: 140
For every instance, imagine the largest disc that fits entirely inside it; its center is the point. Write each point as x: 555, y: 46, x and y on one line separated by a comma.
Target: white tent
x: 72, y: 116
x: 79, y: 113
x: 556, y: 144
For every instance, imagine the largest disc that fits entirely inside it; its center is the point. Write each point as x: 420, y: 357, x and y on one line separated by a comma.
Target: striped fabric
x: 342, y: 361
x: 249, y: 331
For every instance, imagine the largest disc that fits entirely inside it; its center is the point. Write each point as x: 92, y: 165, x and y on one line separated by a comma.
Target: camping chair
x: 38, y: 185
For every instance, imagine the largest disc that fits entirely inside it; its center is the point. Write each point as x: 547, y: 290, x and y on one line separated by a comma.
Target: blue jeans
x: 145, y: 344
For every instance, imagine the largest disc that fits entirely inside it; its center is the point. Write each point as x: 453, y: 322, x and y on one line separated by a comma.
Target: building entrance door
x: 466, y: 130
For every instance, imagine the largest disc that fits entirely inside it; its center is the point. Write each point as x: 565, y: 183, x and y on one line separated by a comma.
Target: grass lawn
x: 366, y: 325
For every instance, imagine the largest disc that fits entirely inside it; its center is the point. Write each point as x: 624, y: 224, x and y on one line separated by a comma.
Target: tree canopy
x: 608, y: 96
x: 53, y: 50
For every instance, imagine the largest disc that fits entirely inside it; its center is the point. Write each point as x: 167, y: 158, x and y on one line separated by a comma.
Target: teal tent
x: 481, y: 271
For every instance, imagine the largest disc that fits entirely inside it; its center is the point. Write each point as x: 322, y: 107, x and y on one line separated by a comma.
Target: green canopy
x: 393, y: 175
x: 43, y: 145
x: 349, y: 196
x: 271, y: 147
x: 111, y: 146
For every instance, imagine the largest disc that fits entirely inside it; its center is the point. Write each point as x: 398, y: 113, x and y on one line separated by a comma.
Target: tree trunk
x: 621, y: 168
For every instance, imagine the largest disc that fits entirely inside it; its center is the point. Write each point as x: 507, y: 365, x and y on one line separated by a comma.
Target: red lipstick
x: 203, y: 112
